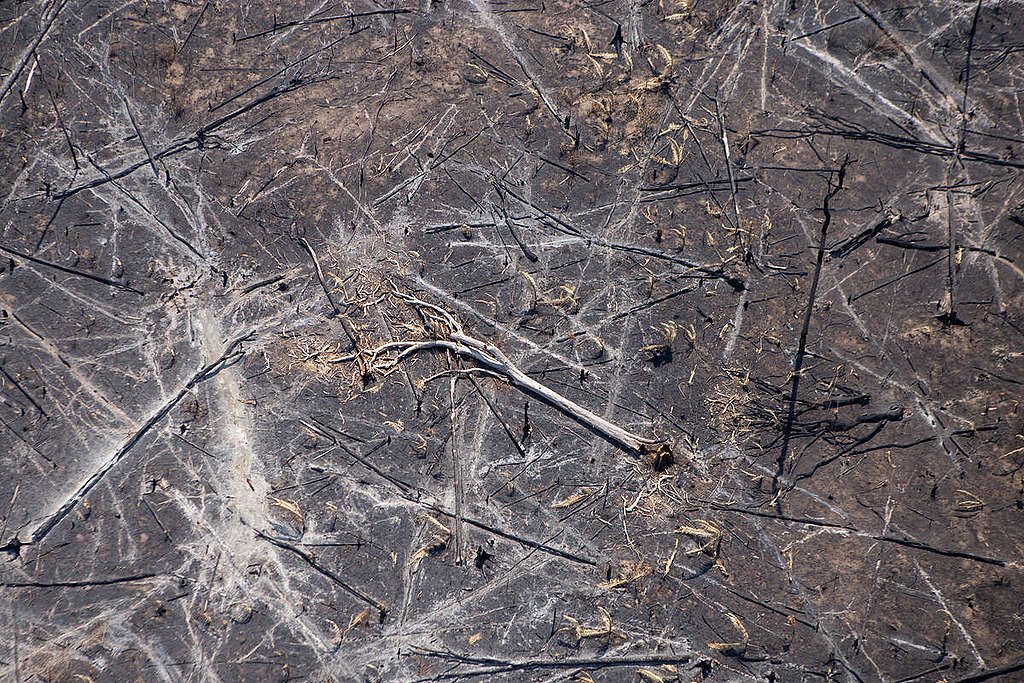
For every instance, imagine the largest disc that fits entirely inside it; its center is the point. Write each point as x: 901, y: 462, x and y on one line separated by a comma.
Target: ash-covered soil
x: 257, y: 260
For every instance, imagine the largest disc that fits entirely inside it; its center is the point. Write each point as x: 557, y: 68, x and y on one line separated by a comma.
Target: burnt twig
x: 78, y: 584
x: 23, y: 392
x: 231, y: 354
x: 802, y: 345
x: 196, y: 141
x: 491, y: 665
x: 341, y: 583
x: 70, y: 271
x: 27, y: 55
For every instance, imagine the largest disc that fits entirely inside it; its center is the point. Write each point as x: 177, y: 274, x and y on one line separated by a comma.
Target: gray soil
x: 784, y: 239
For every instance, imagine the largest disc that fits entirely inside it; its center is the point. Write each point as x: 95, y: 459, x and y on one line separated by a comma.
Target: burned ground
x: 242, y: 439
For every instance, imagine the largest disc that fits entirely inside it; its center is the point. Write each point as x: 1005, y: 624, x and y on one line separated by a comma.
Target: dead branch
x: 231, y: 354
x: 491, y: 665
x: 447, y: 334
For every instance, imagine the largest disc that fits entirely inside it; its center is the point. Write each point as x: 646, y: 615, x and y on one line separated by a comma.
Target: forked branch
x: 445, y: 333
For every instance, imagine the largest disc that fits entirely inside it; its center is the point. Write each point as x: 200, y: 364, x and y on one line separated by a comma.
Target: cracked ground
x: 784, y: 239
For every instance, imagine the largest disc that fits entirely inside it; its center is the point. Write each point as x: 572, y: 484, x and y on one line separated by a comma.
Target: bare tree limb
x: 450, y: 336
